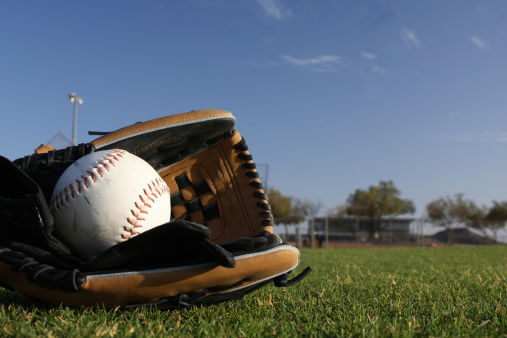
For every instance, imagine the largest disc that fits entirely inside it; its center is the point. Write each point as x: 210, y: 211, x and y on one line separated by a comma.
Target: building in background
x: 353, y: 230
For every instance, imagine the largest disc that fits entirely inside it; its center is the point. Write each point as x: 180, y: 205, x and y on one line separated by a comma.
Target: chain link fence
x: 327, y: 232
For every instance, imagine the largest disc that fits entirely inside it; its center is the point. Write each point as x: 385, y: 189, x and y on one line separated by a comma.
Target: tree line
x: 383, y: 202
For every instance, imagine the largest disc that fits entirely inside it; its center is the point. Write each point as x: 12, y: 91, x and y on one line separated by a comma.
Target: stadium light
x: 75, y: 99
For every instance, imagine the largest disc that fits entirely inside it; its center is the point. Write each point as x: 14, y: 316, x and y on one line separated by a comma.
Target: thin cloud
x: 368, y: 56
x: 410, y: 38
x: 274, y: 9
x: 312, y: 61
x: 377, y: 70
x: 370, y: 67
x: 324, y: 63
x: 478, y: 42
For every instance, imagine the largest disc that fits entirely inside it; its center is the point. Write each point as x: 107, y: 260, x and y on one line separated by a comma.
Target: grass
x: 444, y: 291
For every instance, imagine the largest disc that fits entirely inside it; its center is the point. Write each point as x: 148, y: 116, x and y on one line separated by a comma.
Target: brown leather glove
x: 219, y: 246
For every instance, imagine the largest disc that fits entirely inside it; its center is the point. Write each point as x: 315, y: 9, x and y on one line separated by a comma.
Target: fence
x: 351, y: 232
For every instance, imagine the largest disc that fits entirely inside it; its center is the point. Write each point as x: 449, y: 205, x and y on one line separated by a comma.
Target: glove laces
x: 254, y: 182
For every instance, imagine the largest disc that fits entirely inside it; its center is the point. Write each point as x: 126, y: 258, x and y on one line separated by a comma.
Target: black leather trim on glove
x: 176, y: 243
x: 24, y: 214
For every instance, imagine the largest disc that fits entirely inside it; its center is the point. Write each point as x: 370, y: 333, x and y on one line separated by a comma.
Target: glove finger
x: 170, y: 243
x: 177, y: 228
x: 220, y: 255
x: 245, y: 244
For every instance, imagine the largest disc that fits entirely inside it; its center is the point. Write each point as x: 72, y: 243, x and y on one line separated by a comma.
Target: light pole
x: 75, y: 99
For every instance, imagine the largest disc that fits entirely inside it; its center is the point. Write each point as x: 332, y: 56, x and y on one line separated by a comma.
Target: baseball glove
x: 219, y: 246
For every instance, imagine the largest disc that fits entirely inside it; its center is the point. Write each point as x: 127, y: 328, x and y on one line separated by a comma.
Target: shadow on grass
x: 15, y: 298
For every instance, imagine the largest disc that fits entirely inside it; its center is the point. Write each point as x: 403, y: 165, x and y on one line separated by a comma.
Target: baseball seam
x: 155, y: 189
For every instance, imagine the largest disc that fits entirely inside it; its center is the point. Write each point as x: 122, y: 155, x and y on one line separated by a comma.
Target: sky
x: 333, y: 95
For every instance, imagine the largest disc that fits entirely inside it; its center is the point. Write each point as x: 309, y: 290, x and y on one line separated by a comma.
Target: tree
x: 339, y: 211
x: 492, y: 219
x: 307, y: 208
x: 496, y: 218
x: 285, y: 210
x: 450, y: 213
x: 377, y: 203
x: 391, y: 204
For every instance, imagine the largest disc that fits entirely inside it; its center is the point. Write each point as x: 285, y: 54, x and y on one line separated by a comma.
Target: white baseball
x: 105, y: 198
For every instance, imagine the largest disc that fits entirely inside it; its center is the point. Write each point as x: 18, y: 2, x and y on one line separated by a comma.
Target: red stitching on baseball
x: 78, y: 186
x: 142, y: 209
x: 66, y: 195
x: 148, y: 195
x: 103, y: 166
x: 85, y: 181
x: 118, y: 152
x: 110, y: 159
x: 145, y: 203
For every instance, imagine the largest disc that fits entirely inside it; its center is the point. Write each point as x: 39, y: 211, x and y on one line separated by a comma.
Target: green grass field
x: 444, y: 291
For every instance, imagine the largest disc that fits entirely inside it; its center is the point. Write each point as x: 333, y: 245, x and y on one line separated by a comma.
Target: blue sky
x: 334, y: 95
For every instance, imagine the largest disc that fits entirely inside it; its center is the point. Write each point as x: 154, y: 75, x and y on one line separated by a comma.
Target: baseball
x: 106, y: 198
